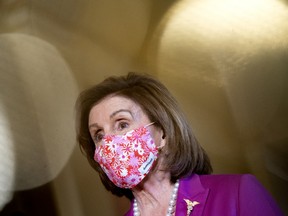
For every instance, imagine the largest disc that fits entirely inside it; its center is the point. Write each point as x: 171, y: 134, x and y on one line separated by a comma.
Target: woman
x: 139, y: 141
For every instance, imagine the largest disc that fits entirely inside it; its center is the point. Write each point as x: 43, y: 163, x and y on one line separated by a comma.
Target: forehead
x: 117, y: 101
x: 111, y: 104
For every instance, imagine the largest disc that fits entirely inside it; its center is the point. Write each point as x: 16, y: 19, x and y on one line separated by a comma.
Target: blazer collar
x: 191, y: 188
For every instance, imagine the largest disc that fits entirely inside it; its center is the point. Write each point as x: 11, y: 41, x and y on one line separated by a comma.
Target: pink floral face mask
x: 127, y: 159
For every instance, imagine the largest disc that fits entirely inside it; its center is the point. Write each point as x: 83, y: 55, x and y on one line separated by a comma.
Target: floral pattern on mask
x: 127, y: 159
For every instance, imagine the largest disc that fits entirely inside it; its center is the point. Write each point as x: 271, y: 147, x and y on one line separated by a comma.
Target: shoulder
x: 225, y: 177
x: 229, y: 185
x: 231, y: 180
x: 228, y: 181
x: 245, y: 190
x: 219, y: 186
x: 241, y: 185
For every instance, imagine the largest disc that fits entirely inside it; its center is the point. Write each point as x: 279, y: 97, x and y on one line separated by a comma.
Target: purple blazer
x: 224, y: 195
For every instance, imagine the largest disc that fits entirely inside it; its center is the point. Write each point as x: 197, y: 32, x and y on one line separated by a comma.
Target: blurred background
x: 226, y: 62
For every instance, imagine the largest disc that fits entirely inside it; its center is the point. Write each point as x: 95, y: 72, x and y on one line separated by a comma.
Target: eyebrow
x: 112, y: 115
x: 121, y: 110
x: 93, y: 125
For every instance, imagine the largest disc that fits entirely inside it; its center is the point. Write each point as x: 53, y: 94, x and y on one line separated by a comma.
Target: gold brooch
x: 190, y: 205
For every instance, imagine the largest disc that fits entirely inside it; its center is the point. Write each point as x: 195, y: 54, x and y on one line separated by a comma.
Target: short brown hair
x: 183, y: 154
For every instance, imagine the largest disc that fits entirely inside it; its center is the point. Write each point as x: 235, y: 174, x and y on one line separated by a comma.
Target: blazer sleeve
x: 254, y: 199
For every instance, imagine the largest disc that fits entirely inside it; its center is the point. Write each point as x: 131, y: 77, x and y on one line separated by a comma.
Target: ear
x: 163, y: 140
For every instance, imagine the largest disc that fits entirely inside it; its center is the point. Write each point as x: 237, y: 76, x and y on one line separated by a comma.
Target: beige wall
x: 225, y: 61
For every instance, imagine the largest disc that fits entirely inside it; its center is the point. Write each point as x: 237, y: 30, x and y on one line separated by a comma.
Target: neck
x: 154, y: 192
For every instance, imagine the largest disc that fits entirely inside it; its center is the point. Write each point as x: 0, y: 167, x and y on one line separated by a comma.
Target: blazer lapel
x: 192, y: 190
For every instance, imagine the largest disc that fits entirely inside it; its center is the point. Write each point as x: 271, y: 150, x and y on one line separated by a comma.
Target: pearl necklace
x: 172, y: 202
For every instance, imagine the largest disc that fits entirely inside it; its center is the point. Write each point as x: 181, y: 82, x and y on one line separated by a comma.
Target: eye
x: 97, y: 137
x: 122, y: 125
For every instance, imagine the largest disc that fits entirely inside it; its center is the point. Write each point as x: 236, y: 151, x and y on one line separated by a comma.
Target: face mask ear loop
x: 160, y: 148
x: 149, y: 124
